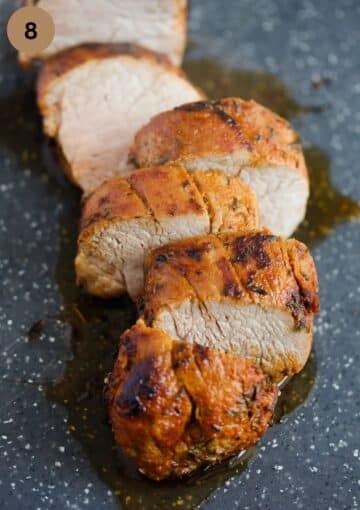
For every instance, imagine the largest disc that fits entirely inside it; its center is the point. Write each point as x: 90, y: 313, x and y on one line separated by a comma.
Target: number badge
x: 30, y: 30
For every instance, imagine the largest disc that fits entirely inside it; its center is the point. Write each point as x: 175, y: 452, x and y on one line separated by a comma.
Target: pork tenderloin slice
x: 127, y: 217
x: 253, y: 295
x: 241, y: 138
x: 159, y: 25
x: 175, y: 406
x: 231, y: 203
x: 94, y: 98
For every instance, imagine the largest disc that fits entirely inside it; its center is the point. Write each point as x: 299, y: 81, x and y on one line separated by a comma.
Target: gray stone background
x: 49, y: 459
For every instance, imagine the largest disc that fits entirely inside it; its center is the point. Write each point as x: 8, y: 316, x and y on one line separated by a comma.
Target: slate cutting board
x: 302, y: 59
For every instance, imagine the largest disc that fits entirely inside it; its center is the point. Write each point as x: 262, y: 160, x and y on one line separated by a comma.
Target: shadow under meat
x: 96, y: 325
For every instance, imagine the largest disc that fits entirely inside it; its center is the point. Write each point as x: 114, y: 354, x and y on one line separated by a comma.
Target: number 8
x: 30, y: 32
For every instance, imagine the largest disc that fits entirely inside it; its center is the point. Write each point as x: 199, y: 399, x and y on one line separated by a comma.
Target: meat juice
x: 94, y: 326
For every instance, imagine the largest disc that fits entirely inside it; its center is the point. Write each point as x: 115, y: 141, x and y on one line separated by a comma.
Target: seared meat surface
x: 253, y: 295
x: 94, y: 98
x: 241, y: 138
x: 185, y: 202
x: 127, y: 217
x: 175, y: 406
x: 159, y: 25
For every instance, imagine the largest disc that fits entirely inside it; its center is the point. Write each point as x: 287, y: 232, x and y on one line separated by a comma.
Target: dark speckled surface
x: 311, y: 459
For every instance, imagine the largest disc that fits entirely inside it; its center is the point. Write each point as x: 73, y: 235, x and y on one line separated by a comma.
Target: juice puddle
x: 327, y: 207
x: 217, y: 80
x: 296, y: 390
x: 96, y: 325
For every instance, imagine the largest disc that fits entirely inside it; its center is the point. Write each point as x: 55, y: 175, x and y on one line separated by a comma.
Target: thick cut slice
x: 175, y: 406
x: 159, y: 25
x: 240, y: 138
x: 127, y: 217
x: 253, y: 295
x: 94, y: 98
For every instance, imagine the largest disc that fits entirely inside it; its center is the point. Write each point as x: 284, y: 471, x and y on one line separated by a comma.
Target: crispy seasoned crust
x: 252, y: 295
x: 170, y: 190
x: 113, y: 199
x: 256, y: 268
x: 157, y: 195
x: 64, y: 62
x: 176, y: 406
x: 219, y: 128
x: 231, y: 204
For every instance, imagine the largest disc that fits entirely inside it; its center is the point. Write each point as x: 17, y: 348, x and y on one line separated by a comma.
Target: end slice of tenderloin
x: 94, y: 98
x: 175, y: 406
x: 252, y: 295
x: 127, y: 217
x: 158, y: 25
x: 241, y: 138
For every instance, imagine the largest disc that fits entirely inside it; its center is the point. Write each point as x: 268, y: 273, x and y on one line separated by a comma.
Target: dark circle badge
x: 30, y: 30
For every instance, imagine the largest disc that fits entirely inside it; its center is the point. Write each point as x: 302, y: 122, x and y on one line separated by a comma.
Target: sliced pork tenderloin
x: 253, y: 295
x: 127, y: 217
x: 159, y: 25
x: 241, y: 138
x: 175, y: 406
x: 94, y: 98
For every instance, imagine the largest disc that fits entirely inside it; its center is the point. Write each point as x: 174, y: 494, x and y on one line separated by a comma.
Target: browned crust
x: 113, y: 199
x: 156, y: 191
x: 157, y: 195
x: 64, y: 62
x: 231, y: 204
x: 254, y: 268
x: 223, y: 127
x: 175, y: 406
x: 169, y: 191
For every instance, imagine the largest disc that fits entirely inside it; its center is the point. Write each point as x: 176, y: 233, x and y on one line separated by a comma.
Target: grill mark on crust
x: 254, y: 288
x: 297, y: 309
x: 191, y: 178
x: 302, y: 301
x: 295, y: 301
x: 201, y: 423
x: 102, y: 213
x: 143, y: 200
x: 215, y: 107
x: 138, y: 388
x: 252, y: 247
x: 196, y: 106
x: 280, y: 154
x: 232, y: 286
